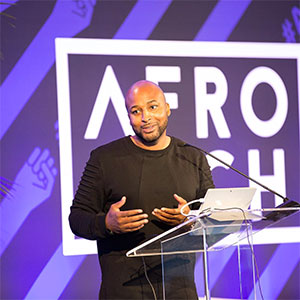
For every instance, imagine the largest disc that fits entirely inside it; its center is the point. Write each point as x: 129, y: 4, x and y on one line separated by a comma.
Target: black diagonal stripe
x: 29, y: 16
x: 182, y: 20
x: 108, y: 16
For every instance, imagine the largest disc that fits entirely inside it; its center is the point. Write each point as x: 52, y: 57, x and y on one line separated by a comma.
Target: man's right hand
x: 119, y: 221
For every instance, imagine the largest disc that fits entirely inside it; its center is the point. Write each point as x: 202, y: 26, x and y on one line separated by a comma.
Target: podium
x: 212, y: 231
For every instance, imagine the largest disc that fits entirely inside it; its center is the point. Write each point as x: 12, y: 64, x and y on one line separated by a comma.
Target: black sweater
x: 147, y: 178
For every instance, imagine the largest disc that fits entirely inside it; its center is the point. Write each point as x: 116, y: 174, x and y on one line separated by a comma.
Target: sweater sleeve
x: 87, y: 217
x: 206, y: 180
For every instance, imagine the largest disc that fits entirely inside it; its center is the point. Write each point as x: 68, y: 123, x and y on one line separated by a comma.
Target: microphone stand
x: 285, y: 199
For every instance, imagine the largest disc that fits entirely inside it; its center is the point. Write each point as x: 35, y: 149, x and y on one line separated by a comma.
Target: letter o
x: 274, y: 124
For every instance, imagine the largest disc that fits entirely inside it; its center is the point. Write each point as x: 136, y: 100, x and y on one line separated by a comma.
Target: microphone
x: 285, y: 199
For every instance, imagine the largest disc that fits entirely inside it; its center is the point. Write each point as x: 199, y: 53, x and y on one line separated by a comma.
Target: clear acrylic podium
x: 211, y: 231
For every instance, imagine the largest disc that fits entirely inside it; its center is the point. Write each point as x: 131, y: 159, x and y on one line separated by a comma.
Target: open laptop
x: 228, y: 204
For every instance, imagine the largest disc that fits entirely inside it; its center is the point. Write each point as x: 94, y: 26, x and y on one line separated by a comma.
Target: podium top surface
x: 205, y: 233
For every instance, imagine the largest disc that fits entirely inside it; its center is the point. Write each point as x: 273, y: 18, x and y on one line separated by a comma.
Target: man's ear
x: 168, y: 109
x: 128, y: 114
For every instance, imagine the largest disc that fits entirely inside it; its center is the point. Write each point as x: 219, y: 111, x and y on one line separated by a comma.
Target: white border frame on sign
x: 66, y: 46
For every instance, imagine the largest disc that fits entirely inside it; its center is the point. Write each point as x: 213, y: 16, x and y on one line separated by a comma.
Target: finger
x: 42, y: 158
x: 134, y: 225
x: 41, y: 175
x: 119, y: 204
x: 167, y: 220
x: 171, y: 211
x: 54, y: 171
x: 129, y: 213
x: 158, y: 212
x: 180, y: 200
x: 135, y: 218
x: 174, y: 218
x: 48, y: 176
x: 132, y: 229
x: 50, y: 162
x: 34, y: 155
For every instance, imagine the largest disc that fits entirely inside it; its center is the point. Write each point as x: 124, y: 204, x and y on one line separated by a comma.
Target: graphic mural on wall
x: 65, y: 68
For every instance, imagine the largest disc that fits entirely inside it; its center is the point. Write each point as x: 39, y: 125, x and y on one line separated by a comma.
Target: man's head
x: 148, y: 112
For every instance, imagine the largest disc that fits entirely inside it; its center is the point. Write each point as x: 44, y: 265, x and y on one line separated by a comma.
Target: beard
x: 153, y: 137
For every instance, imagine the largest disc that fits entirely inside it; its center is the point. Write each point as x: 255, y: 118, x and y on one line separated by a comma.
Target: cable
x: 188, y: 204
x: 240, y: 275
x: 146, y: 275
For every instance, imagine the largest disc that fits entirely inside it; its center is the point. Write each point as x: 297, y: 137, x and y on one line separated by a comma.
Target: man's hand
x: 172, y: 216
x: 119, y: 221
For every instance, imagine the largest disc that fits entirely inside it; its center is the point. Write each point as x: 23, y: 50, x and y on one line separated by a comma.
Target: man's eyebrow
x: 150, y: 101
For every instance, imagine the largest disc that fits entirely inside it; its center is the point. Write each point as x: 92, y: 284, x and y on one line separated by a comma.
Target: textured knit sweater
x: 147, y: 178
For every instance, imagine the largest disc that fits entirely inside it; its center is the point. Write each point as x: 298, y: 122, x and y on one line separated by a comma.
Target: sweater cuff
x: 101, y: 230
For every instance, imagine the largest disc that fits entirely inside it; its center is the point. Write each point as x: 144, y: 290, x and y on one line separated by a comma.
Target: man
x: 133, y: 189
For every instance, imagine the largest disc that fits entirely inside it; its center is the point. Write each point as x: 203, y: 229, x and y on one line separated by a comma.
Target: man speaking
x: 131, y: 190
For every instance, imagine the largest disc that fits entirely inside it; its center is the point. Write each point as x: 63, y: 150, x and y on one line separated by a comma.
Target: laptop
x: 227, y: 204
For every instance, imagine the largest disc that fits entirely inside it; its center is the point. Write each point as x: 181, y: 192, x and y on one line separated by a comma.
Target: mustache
x: 149, y: 124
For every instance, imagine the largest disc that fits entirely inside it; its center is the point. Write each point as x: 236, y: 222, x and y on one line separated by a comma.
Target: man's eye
x: 135, y: 112
x: 154, y: 106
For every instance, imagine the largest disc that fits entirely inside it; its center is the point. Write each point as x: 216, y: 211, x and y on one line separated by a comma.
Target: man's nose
x: 146, y: 116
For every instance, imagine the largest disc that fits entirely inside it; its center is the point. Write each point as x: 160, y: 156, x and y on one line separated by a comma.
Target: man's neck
x: 161, y: 144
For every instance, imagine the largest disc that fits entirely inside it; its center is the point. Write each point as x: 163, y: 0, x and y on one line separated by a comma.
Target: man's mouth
x: 148, y: 128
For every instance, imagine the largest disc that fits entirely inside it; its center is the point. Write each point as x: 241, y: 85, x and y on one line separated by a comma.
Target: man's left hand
x: 172, y: 216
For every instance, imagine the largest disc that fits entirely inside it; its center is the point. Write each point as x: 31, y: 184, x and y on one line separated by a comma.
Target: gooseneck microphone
x: 285, y: 199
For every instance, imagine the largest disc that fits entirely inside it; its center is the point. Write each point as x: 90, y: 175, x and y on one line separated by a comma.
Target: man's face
x: 148, y: 112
